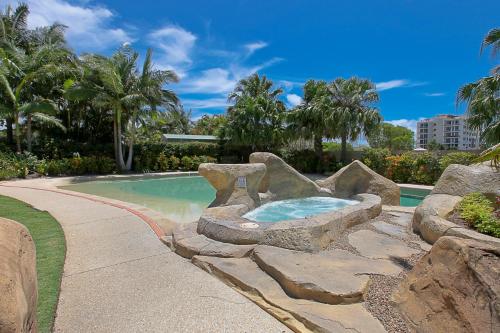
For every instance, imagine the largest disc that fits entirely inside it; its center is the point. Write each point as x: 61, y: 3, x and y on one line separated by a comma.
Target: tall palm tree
x: 311, y: 119
x: 354, y: 114
x: 256, y: 118
x: 114, y: 84
x: 21, y: 78
x: 483, y: 97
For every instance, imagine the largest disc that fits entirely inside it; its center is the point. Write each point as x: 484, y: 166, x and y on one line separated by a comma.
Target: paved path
x: 118, y: 277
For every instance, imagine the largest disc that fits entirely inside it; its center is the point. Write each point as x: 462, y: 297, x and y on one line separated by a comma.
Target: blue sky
x: 418, y: 52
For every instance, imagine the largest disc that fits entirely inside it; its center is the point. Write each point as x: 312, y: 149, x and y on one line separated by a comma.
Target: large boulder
x: 357, y: 178
x: 235, y: 183
x: 460, y: 180
x: 283, y: 181
x: 454, y: 288
x: 18, y: 283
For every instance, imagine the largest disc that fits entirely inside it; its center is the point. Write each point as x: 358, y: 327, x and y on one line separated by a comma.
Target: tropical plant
x: 256, y: 118
x: 114, y: 84
x: 483, y: 97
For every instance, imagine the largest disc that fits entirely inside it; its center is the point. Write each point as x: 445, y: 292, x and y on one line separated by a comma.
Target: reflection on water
x: 181, y: 199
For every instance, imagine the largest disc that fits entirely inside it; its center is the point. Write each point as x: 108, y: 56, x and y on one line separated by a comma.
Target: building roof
x: 188, y: 137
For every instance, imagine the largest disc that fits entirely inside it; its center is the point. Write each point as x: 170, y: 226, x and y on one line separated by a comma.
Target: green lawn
x: 50, y: 252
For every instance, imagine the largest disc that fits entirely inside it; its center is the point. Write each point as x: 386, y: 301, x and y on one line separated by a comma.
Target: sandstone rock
x: 390, y: 229
x: 300, y: 315
x: 460, y: 180
x: 357, y: 178
x: 283, y: 181
x: 223, y: 178
x: 377, y: 246
x: 188, y: 243
x: 18, y: 279
x: 333, y: 277
x: 453, y: 288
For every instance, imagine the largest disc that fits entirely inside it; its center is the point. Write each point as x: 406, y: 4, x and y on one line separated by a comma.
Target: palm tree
x: 354, y: 114
x: 114, y: 84
x: 178, y: 120
x: 22, y: 77
x: 310, y: 119
x: 483, y: 97
x: 256, y: 118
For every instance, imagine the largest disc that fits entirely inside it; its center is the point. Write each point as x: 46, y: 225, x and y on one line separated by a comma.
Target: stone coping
x: 431, y: 221
x: 226, y: 224
x: 416, y: 186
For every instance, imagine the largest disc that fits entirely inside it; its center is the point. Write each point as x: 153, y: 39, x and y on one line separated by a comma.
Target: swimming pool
x: 182, y: 198
x: 411, y: 197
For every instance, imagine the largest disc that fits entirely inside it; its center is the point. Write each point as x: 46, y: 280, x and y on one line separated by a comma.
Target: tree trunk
x: 10, y: 131
x: 130, y: 155
x: 121, y: 163
x: 115, y: 140
x: 318, y: 149
x: 343, y: 151
x: 28, y: 132
x: 18, y: 134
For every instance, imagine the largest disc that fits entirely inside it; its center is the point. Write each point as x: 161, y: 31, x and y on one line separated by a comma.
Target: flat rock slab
x: 333, y: 277
x: 402, y: 219
x: 377, y: 246
x: 390, y: 229
x: 188, y: 243
x: 317, y: 317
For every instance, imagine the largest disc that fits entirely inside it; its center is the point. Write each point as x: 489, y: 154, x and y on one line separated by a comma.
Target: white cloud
x: 252, y: 47
x: 436, y: 94
x: 293, y: 99
x: 175, y: 42
x: 89, y: 27
x: 207, y: 103
x: 401, y: 83
x: 408, y: 123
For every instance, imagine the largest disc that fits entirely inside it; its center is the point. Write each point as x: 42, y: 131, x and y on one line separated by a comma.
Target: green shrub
x: 174, y: 162
x: 478, y: 212
x: 162, y: 162
x: 186, y: 163
x: 464, y: 158
x: 400, y: 168
x: 303, y: 160
x: 376, y: 159
x: 426, y: 169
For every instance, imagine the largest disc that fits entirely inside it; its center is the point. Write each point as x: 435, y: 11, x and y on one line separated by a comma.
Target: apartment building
x: 448, y: 130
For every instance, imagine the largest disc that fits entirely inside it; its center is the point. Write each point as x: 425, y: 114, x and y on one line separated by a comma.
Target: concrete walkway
x: 118, y: 276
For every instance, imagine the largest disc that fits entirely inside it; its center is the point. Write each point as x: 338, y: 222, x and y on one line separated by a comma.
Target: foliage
x: 376, y: 159
x: 50, y: 244
x: 209, y: 125
x: 478, y: 212
x: 335, y: 146
x: 400, y: 168
x: 426, y: 169
x: 491, y: 154
x: 392, y: 137
x: 256, y: 118
x: 303, y: 160
x: 464, y: 158
x: 481, y: 97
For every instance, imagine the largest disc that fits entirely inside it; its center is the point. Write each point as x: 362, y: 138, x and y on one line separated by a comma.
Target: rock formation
x: 357, y: 178
x: 283, y: 181
x: 18, y: 282
x: 454, y: 288
x: 225, y: 179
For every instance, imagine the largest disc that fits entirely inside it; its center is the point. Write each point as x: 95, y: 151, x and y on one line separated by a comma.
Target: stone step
x: 244, y: 274
x: 333, y: 277
x: 187, y: 243
x: 373, y: 245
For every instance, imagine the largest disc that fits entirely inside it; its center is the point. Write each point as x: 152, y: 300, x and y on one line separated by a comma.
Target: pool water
x: 181, y: 199
x: 411, y: 197
x: 296, y: 208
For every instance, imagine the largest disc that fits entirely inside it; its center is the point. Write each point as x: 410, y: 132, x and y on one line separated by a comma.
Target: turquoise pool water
x: 296, y: 208
x: 181, y: 198
x: 410, y: 197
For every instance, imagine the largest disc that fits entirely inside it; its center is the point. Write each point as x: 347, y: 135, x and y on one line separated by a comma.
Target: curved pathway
x: 119, y: 277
